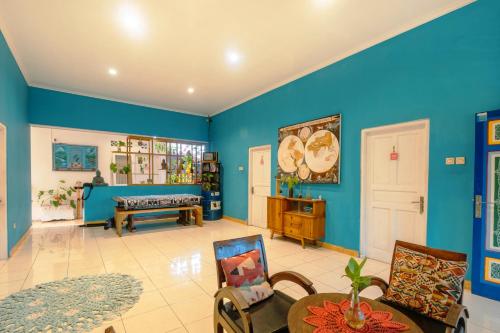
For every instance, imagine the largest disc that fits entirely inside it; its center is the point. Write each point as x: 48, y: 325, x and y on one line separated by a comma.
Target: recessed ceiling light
x: 112, y: 71
x: 131, y: 20
x: 233, y: 57
x: 190, y: 90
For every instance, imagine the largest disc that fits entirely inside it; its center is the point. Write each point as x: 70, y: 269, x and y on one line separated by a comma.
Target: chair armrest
x: 295, y: 277
x: 376, y: 281
x: 239, y: 303
x: 455, y: 314
x: 233, y: 295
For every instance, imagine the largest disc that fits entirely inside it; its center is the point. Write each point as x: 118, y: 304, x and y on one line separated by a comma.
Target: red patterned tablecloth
x: 329, y: 318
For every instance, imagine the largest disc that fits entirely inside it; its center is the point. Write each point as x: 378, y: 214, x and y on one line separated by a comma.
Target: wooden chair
x: 269, y: 315
x: 456, y: 321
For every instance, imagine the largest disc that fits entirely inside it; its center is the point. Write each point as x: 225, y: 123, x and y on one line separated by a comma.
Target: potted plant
x: 58, y: 203
x: 290, y: 181
x: 123, y: 171
x: 354, y: 316
x: 120, y: 145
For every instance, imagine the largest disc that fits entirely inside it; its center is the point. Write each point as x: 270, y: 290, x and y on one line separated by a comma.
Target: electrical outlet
x: 460, y: 160
x: 241, y: 168
x: 449, y: 161
x: 14, y: 226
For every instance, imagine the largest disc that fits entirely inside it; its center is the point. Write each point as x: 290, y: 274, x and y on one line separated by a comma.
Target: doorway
x: 394, y: 177
x: 259, y: 184
x: 4, y: 253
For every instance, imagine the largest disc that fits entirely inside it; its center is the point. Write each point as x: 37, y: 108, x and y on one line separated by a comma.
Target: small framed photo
x: 210, y: 157
x: 494, y: 132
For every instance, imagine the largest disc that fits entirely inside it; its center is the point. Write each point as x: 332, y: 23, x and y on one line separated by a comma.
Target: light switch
x: 241, y: 168
x: 450, y: 160
x: 460, y: 160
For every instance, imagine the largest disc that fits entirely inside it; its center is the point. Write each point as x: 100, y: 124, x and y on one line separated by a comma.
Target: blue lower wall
x: 100, y: 205
x: 445, y: 71
x: 14, y: 115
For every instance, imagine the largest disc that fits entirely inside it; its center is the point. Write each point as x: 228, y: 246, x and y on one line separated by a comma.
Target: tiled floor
x: 176, y: 266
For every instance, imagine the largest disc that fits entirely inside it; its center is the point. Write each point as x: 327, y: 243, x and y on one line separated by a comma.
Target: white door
x: 259, y: 175
x: 3, y: 192
x: 394, y: 176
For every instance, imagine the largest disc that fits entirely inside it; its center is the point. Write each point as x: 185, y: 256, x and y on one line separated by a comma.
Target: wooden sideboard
x: 296, y: 218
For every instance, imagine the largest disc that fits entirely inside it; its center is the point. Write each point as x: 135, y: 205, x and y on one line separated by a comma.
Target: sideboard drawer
x: 293, y: 225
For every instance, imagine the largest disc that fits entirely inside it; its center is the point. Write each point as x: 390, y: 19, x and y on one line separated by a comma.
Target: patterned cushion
x: 425, y: 283
x: 246, y: 273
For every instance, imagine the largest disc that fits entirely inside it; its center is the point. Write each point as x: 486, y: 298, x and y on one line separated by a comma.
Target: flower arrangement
x: 290, y: 181
x: 59, y: 196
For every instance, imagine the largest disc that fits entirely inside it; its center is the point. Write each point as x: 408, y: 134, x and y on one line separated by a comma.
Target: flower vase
x: 354, y: 317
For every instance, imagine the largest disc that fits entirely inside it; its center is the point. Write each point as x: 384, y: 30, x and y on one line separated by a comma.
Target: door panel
x: 486, y: 225
x: 396, y: 179
x: 260, y: 185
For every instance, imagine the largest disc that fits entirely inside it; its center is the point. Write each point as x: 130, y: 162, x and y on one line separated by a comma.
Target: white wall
x: 42, y: 175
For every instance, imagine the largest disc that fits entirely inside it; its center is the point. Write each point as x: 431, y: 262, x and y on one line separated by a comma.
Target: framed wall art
x: 494, y: 132
x: 66, y: 157
x: 311, y: 150
x: 492, y: 270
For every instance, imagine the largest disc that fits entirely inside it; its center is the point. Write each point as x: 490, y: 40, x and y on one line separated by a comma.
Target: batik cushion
x: 425, y: 283
x: 246, y: 272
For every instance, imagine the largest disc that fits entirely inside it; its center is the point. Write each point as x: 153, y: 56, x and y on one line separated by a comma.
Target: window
x: 160, y: 161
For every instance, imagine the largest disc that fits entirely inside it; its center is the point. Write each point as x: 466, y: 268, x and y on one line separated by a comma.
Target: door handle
x: 478, y: 206
x: 421, y: 204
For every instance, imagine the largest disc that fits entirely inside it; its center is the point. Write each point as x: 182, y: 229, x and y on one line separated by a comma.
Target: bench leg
x: 198, y: 216
x: 119, y: 217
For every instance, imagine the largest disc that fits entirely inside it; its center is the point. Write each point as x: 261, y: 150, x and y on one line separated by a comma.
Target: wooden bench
x: 121, y: 214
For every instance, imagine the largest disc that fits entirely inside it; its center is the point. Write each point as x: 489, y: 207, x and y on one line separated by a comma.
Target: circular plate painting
x: 322, y: 151
x: 290, y: 153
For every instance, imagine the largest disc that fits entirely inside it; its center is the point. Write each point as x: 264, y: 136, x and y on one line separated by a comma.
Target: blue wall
x: 14, y: 115
x: 53, y: 108
x: 100, y: 205
x: 444, y: 71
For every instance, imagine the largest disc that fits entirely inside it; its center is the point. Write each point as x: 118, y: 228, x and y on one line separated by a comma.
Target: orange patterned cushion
x: 424, y: 283
x: 246, y: 272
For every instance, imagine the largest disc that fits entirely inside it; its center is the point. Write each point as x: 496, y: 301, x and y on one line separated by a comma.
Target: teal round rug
x: 69, y: 305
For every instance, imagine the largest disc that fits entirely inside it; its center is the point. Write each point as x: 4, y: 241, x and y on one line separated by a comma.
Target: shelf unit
x: 158, y: 161
x: 211, y: 190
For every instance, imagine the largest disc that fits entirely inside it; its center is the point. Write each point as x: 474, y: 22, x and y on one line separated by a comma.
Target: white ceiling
x: 175, y: 44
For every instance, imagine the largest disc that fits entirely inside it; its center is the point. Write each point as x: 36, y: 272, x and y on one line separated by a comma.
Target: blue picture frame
x: 67, y: 157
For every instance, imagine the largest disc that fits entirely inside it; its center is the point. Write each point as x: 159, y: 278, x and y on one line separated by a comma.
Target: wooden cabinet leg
x: 303, y: 243
x: 272, y: 234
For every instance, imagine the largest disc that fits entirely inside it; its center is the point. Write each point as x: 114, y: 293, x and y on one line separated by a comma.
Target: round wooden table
x: 299, y: 311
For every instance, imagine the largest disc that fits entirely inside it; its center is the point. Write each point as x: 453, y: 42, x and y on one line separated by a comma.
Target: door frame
x: 422, y: 123
x: 250, y: 151
x: 4, y: 239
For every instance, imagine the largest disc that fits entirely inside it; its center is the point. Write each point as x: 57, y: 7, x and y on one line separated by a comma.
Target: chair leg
x: 218, y: 328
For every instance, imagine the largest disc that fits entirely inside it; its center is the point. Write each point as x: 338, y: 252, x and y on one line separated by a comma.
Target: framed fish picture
x: 311, y: 150
x: 66, y: 157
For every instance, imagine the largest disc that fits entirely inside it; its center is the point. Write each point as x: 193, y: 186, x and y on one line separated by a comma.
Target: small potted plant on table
x: 354, y: 317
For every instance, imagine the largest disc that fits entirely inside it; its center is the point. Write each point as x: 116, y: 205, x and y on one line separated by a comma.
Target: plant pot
x: 290, y: 192
x: 354, y: 317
